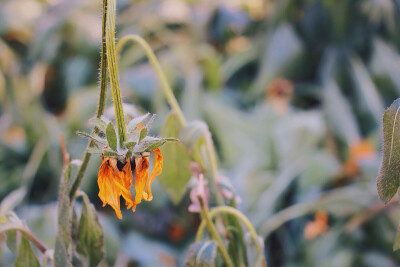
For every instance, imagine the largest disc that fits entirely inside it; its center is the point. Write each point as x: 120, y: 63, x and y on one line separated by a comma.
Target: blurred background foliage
x: 293, y: 92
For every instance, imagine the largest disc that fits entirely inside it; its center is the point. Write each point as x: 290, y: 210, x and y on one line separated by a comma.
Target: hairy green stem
x: 113, y: 72
x: 169, y: 95
x: 237, y: 214
x: 101, y: 104
x: 213, y: 232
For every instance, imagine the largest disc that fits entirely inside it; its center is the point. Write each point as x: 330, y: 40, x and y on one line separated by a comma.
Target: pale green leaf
x: 176, y: 173
x: 90, y: 234
x: 62, y: 255
x: 202, y: 254
x: 26, y: 256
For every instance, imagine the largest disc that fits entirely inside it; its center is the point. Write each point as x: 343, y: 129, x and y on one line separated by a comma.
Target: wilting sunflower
x: 115, y: 180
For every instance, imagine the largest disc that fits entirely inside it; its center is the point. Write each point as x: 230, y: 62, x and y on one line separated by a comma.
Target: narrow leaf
x: 143, y: 134
x: 388, y: 177
x: 111, y: 137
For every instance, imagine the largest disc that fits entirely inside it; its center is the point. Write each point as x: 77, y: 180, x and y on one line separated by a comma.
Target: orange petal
x: 126, y: 182
x: 109, y: 192
x: 141, y: 174
x: 157, y: 169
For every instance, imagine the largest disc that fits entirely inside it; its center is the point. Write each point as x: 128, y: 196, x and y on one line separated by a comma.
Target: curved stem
x: 213, y: 232
x: 100, y: 106
x: 113, y: 71
x: 27, y: 233
x: 237, y: 214
x: 169, y: 95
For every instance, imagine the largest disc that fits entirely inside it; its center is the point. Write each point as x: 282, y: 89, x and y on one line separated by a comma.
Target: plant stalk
x: 113, y: 72
x: 213, y: 232
x: 241, y: 217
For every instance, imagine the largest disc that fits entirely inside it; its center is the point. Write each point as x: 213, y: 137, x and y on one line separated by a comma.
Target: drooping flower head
x: 114, y: 183
x: 115, y: 177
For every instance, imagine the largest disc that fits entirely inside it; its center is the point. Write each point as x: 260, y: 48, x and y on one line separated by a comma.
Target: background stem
x: 213, y: 232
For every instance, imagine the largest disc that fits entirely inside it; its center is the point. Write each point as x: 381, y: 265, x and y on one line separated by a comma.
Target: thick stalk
x: 101, y: 104
x: 113, y: 72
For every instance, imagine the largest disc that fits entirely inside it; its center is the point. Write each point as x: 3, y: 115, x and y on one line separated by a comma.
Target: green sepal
x: 111, y: 136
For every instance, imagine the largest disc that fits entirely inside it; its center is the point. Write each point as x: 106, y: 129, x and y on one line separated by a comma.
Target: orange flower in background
x: 278, y: 93
x: 316, y: 227
x: 114, y: 183
x: 358, y: 152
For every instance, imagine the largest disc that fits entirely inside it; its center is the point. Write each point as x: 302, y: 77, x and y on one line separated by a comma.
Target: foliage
x: 287, y: 149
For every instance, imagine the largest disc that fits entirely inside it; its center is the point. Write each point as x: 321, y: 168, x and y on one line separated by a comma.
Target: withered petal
x: 141, y: 174
x: 157, y: 169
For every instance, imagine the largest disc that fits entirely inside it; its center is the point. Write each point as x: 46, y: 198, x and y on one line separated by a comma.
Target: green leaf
x: 90, y: 234
x: 176, y: 173
x: 388, y: 177
x: 99, y: 123
x: 143, y: 134
x: 62, y: 255
x: 202, y: 254
x: 111, y: 137
x: 26, y: 256
x: 12, y: 241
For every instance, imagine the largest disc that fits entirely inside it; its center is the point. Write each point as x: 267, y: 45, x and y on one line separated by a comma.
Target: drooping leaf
x: 389, y: 173
x: 26, y: 256
x: 176, y: 173
x: 202, y: 254
x: 90, y: 234
x: 111, y: 136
